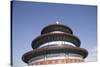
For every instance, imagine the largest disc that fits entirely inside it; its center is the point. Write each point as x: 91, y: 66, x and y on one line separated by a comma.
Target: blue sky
x: 30, y: 17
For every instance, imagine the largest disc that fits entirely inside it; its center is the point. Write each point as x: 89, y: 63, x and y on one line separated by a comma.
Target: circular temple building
x: 55, y: 45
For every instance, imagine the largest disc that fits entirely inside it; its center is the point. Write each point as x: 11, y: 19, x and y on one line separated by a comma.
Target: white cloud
x: 92, y: 55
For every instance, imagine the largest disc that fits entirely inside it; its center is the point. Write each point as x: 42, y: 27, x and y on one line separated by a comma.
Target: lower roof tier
x: 45, y: 38
x: 61, y: 49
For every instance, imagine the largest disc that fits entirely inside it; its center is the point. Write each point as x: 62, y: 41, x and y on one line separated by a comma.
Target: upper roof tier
x: 45, y: 38
x: 56, y: 27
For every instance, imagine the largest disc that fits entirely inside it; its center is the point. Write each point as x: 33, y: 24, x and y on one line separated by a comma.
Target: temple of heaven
x: 56, y: 45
